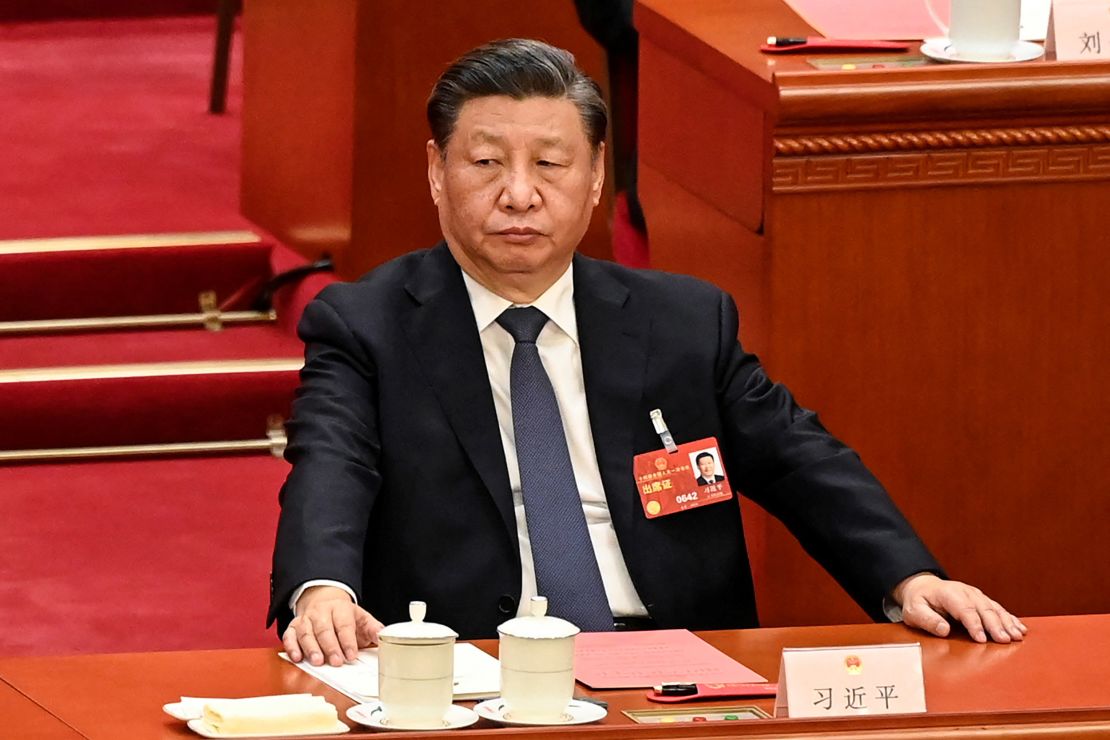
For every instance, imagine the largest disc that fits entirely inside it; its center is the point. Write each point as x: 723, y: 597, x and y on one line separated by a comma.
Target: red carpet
x: 124, y: 556
x: 171, y: 345
x: 47, y: 9
x: 128, y: 282
x: 103, y: 411
x: 105, y: 129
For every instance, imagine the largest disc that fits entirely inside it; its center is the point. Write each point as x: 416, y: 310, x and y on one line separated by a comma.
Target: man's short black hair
x: 704, y: 454
x: 518, y: 68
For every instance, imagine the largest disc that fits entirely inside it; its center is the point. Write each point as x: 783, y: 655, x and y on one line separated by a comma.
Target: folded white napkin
x: 279, y: 715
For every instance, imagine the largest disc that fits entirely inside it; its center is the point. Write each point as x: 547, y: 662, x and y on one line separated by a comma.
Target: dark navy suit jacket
x: 395, y: 382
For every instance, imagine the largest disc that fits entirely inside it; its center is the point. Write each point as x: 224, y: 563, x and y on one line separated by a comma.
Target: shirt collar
x: 557, y: 302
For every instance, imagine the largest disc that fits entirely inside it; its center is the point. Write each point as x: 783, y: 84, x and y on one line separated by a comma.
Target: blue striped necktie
x: 566, y: 567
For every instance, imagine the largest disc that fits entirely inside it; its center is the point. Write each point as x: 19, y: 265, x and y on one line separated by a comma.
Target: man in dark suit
x: 707, y: 467
x: 513, y: 373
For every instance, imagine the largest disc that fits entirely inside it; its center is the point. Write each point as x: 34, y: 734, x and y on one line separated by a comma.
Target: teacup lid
x: 417, y: 631
x: 537, y: 626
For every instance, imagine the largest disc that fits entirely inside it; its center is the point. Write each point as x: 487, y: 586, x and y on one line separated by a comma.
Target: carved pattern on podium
x: 863, y: 143
x: 968, y: 167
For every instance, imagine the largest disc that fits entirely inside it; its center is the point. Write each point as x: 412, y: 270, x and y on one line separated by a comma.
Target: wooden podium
x: 921, y: 255
x: 1053, y: 685
x: 333, y: 115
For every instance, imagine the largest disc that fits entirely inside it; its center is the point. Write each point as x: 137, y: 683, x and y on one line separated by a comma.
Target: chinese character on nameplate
x: 1079, y: 30
x: 844, y: 681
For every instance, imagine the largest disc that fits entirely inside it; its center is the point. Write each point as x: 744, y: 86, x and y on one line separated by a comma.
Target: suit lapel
x: 442, y: 332
x: 613, y: 336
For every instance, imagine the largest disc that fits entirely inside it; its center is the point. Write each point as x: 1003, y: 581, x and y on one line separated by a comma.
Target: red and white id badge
x: 690, y: 476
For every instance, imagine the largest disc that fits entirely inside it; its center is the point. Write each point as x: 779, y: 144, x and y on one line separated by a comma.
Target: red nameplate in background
x: 819, y: 45
x: 690, y: 477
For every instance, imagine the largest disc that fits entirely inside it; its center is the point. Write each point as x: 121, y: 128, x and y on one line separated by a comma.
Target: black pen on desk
x: 786, y: 40
x: 673, y: 688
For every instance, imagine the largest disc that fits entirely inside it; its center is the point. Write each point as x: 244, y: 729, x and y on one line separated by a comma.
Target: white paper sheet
x: 477, y: 674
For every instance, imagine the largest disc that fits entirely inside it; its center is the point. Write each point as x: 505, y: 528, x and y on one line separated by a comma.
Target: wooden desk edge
x: 47, y: 682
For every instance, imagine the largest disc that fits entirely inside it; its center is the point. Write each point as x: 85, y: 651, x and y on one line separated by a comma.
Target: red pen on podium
x: 822, y: 45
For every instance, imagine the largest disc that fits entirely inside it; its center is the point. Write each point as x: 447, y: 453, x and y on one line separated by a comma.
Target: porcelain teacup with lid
x: 537, y: 665
x: 416, y: 671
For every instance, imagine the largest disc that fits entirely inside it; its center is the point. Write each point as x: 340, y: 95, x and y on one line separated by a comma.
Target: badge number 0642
x: 691, y: 476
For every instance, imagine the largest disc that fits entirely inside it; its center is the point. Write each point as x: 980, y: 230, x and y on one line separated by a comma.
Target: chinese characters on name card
x: 1080, y: 29
x: 844, y: 681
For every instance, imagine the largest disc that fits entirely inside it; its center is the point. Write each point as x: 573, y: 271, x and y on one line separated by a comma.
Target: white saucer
x: 372, y: 716
x: 939, y: 49
x: 198, y: 726
x: 578, y: 713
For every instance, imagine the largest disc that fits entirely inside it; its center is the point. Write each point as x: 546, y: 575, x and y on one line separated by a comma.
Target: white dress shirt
x: 562, y: 359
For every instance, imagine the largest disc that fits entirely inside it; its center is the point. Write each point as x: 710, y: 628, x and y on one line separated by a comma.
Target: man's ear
x: 435, y: 170
x: 598, y: 173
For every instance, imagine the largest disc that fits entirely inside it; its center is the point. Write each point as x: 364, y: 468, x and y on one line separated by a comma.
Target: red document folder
x: 627, y: 660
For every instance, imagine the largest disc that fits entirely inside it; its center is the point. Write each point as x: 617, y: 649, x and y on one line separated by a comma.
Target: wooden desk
x: 1053, y: 685
x: 22, y: 718
x: 920, y: 254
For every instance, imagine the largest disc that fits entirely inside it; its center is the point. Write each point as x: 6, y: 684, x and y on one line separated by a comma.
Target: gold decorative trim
x: 969, y: 167
x: 127, y: 241
x: 149, y: 370
x: 862, y: 143
x: 274, y: 444
x: 175, y: 449
x: 209, y: 320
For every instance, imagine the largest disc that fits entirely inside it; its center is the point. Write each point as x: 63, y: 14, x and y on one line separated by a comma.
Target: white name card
x: 845, y: 681
x: 1080, y: 29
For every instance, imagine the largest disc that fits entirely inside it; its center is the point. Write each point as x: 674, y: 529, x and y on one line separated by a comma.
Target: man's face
x: 515, y: 191
x: 706, y: 466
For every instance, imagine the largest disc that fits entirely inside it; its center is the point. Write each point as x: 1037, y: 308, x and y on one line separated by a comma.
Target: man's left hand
x: 927, y: 600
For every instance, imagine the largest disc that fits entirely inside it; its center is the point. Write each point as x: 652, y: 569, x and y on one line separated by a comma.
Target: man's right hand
x: 329, y: 626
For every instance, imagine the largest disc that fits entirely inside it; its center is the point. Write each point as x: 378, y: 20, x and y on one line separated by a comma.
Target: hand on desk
x: 329, y: 626
x: 926, y: 600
